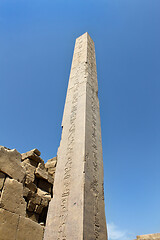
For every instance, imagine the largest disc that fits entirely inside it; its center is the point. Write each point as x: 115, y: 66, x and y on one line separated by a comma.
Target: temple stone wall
x: 26, y: 184
x: 155, y: 236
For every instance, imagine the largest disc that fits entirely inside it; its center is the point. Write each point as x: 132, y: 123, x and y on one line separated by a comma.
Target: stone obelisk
x: 76, y: 211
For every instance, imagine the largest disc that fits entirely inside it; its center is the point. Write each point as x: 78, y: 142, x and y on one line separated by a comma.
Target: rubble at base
x: 26, y: 188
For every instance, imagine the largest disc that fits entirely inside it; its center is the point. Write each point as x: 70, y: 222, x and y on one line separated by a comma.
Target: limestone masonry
x: 76, y: 211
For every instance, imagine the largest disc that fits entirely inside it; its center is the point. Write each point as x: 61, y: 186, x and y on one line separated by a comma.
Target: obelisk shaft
x: 76, y: 211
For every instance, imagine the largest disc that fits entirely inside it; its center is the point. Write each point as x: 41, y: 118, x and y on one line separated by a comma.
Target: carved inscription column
x: 76, y: 211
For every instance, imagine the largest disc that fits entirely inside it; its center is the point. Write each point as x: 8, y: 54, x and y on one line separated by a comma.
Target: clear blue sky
x: 36, y: 46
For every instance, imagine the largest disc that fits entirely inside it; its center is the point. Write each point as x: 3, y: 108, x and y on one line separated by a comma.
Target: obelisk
x: 76, y: 211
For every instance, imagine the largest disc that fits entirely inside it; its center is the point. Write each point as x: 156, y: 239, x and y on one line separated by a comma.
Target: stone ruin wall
x: 155, y: 236
x: 26, y: 188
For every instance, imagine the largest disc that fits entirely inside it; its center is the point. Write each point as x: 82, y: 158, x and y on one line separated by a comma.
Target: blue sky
x: 36, y: 44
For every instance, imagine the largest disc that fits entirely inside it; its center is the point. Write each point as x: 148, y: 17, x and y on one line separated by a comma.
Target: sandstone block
x: 155, y: 236
x: 45, y: 185
x: 32, y: 155
x: 12, y: 197
x: 31, y: 162
x: 33, y: 216
x: 41, y: 171
x: 29, y: 230
x: 26, y: 192
x: 44, y: 202
x: 52, y: 170
x: 8, y: 225
x: 10, y: 163
x: 31, y: 186
x: 50, y: 178
x: 36, y: 151
x: 30, y: 170
x: 44, y: 194
x: 31, y: 206
x: 36, y: 198
x: 38, y: 209
x: 51, y: 166
x: 2, y: 178
x: 51, y: 163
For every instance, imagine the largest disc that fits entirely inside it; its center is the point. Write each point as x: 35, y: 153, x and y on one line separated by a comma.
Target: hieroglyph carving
x: 77, y: 208
x: 68, y: 166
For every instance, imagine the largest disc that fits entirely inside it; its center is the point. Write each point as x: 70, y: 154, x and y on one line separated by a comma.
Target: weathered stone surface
x: 50, y: 178
x: 155, y: 236
x: 35, y: 198
x: 8, y: 225
x: 30, y: 170
x: 31, y: 186
x: 31, y: 162
x: 31, y: 206
x: 51, y: 165
x: 33, y: 216
x: 38, y: 209
x: 12, y: 197
x: 10, y: 163
x: 41, y: 171
x: 2, y: 178
x: 45, y: 185
x: 45, y: 202
x: 52, y: 171
x: 76, y: 210
x: 26, y: 192
x: 29, y: 230
x: 32, y: 155
x: 36, y: 151
x: 43, y: 194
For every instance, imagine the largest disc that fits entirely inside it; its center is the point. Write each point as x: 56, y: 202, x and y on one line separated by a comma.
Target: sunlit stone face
x: 76, y: 211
